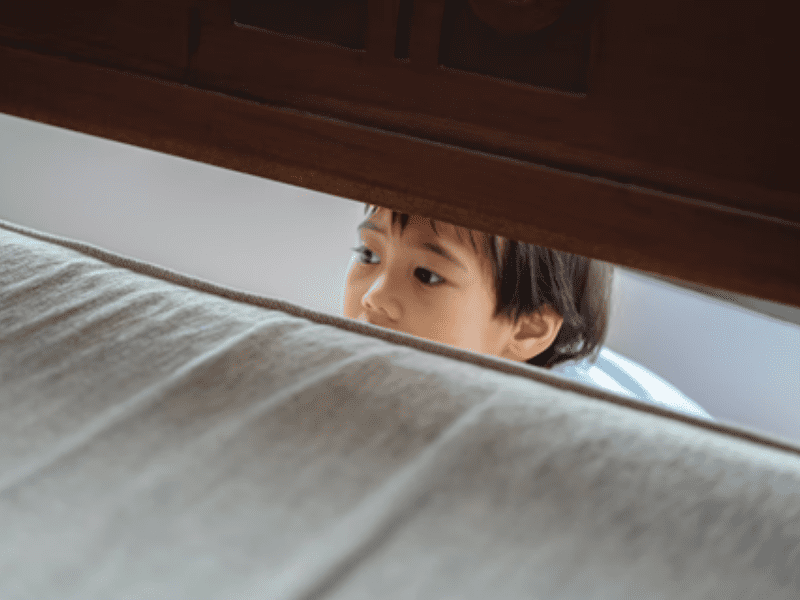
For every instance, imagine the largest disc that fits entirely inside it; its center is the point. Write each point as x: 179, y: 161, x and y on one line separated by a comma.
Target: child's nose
x: 380, y: 303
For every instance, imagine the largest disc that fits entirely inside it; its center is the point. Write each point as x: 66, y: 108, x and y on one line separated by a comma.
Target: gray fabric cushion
x: 162, y: 437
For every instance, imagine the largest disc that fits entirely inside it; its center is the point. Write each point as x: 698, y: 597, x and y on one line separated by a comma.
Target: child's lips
x: 365, y: 319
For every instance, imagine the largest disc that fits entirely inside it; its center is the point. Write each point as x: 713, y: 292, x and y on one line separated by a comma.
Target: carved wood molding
x: 622, y: 224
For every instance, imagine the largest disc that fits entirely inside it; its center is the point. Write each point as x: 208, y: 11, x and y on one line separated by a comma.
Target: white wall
x: 246, y: 232
x: 291, y: 243
x: 740, y: 365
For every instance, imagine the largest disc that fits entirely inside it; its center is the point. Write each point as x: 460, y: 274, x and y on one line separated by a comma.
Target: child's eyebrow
x: 370, y: 225
x: 435, y: 248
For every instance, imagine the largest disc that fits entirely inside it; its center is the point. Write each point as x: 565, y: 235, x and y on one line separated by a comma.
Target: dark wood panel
x: 546, y: 54
x: 344, y: 22
x: 704, y: 84
x: 144, y: 35
x: 694, y: 98
x: 626, y: 225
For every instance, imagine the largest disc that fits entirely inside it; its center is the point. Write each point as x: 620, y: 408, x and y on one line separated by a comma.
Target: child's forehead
x: 459, y: 236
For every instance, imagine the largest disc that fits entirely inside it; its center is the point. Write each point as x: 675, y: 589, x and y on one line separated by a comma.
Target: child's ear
x: 533, y: 334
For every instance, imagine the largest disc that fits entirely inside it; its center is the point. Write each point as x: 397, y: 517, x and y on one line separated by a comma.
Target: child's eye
x: 360, y: 251
x: 427, y: 274
x: 428, y: 277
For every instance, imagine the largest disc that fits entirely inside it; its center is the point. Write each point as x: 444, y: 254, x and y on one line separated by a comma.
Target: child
x: 493, y: 296
x: 505, y: 298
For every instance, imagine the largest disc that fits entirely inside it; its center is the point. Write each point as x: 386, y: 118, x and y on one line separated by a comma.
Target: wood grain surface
x: 679, y: 160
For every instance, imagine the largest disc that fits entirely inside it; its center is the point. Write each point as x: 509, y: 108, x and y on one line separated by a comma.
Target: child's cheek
x: 356, y: 286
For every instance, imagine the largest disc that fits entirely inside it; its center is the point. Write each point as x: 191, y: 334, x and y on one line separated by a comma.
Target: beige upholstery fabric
x: 162, y: 437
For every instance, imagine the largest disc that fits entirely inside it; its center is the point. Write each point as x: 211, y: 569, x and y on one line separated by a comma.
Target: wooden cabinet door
x: 656, y: 135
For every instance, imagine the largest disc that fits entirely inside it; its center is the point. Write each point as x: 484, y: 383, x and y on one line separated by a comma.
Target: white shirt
x: 619, y: 374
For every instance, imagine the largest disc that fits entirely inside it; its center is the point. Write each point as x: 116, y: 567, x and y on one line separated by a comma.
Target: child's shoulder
x: 620, y: 374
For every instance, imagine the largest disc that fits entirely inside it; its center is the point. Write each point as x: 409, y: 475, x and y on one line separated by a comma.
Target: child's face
x: 397, y: 282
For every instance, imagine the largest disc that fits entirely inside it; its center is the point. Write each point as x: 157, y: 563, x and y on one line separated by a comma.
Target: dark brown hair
x: 528, y: 277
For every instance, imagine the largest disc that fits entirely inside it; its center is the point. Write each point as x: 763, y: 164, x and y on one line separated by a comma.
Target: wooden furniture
x: 661, y: 136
